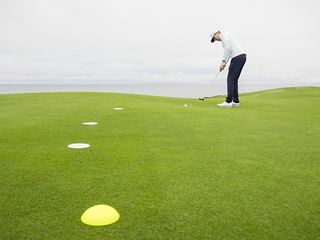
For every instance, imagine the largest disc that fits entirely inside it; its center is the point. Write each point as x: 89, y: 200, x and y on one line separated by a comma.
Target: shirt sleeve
x: 227, y: 48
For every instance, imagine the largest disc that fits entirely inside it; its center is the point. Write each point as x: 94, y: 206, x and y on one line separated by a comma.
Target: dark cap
x: 212, y: 36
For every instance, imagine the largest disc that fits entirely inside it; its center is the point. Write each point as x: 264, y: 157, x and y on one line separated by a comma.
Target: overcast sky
x: 146, y: 41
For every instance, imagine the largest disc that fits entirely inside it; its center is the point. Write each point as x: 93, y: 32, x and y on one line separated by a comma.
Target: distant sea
x: 170, y: 90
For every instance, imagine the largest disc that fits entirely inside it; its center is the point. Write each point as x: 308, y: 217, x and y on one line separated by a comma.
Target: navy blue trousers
x: 235, y: 69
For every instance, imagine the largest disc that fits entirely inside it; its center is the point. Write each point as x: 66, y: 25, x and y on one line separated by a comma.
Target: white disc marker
x: 89, y: 123
x: 78, y: 145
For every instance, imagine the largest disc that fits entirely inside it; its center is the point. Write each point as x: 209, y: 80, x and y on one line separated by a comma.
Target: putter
x: 203, y: 98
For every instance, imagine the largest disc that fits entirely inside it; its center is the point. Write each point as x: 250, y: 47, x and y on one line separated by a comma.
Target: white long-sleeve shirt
x: 231, y: 46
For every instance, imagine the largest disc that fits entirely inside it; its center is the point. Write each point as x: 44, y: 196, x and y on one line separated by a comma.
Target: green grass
x: 172, y: 172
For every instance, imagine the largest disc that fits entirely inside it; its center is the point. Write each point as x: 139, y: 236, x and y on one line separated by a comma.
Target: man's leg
x: 230, y: 81
x: 242, y: 60
x: 235, y: 69
x: 235, y: 93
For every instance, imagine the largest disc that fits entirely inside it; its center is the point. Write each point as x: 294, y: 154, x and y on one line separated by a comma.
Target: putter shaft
x: 202, y: 99
x: 216, y: 75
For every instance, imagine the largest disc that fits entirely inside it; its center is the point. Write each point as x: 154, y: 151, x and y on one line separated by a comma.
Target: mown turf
x: 172, y: 172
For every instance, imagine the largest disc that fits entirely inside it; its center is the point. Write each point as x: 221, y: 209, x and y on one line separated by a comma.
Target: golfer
x: 233, y: 50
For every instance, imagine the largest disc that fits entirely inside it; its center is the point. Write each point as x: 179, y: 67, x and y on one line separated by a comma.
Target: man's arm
x: 227, y: 48
x: 227, y: 51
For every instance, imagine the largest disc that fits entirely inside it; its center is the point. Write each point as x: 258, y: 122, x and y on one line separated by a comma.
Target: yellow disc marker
x: 100, y: 215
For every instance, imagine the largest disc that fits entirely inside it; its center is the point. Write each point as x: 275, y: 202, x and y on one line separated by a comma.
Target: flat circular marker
x: 100, y: 215
x: 118, y: 108
x: 78, y: 145
x: 89, y: 123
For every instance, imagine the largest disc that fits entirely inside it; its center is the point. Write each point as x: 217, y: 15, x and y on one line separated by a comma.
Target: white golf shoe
x: 225, y: 105
x: 235, y: 104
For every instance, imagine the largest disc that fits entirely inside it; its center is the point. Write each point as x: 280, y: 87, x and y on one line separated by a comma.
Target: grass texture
x: 172, y: 172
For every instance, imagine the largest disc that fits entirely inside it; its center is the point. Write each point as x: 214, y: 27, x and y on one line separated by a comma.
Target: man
x: 233, y: 50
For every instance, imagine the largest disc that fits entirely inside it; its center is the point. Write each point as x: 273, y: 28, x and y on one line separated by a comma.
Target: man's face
x: 217, y: 36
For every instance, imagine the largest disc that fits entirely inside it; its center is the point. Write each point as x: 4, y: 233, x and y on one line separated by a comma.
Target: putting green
x: 200, y: 172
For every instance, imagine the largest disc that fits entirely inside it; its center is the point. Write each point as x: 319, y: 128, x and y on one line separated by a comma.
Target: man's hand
x: 222, y: 67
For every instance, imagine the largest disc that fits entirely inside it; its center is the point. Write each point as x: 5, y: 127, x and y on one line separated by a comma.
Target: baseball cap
x: 212, y: 36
